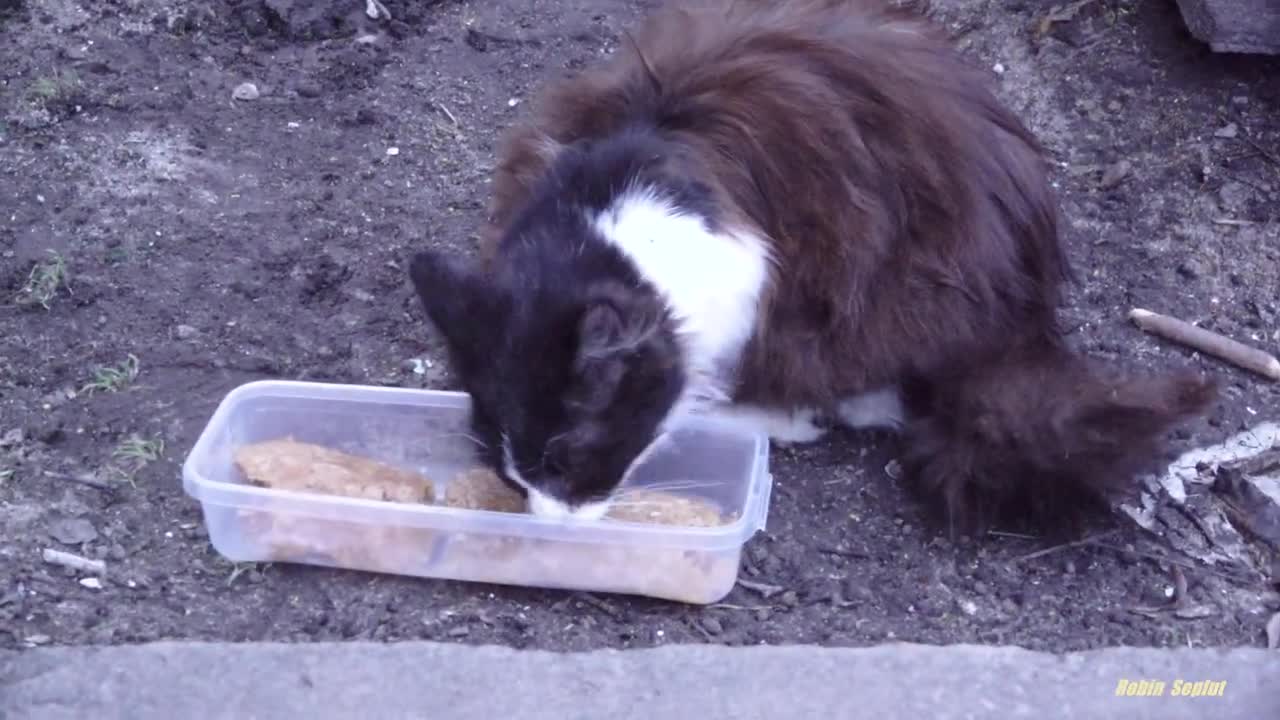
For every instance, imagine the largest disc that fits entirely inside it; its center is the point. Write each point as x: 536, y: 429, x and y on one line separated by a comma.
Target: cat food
x: 304, y: 467
x: 288, y: 464
x: 387, y: 479
x: 482, y: 489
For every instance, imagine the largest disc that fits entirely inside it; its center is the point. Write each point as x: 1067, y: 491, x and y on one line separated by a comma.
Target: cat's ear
x: 465, y: 307
x: 617, y: 324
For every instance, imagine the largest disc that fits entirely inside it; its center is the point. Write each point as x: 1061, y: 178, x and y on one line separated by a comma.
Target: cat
x: 794, y: 214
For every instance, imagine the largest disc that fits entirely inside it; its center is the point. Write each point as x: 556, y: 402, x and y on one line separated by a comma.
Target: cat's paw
x: 781, y: 426
x: 798, y: 427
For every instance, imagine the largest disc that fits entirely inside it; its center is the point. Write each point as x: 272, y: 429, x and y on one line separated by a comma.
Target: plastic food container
x: 427, y: 432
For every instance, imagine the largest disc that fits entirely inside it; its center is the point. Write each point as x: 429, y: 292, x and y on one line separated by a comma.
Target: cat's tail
x: 1038, y: 436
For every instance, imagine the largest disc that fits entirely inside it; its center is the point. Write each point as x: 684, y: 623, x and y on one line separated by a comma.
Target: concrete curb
x: 445, y: 681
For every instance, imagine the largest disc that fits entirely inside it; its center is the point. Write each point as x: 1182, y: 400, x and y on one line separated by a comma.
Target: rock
x: 1191, y: 268
x: 246, y: 91
x: 1228, y: 131
x: 1233, y: 195
x: 1251, y: 490
x: 72, y: 531
x: 12, y: 438
x: 309, y: 89
x: 1115, y: 174
x: 712, y: 625
x: 186, y: 332
x: 1234, y: 26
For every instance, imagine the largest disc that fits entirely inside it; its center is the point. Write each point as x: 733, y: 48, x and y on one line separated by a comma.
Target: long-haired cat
x: 787, y: 212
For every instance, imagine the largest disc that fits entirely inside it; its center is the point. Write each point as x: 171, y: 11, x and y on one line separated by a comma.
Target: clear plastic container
x: 426, y: 431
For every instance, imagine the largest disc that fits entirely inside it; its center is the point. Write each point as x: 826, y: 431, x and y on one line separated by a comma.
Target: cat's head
x: 571, y: 363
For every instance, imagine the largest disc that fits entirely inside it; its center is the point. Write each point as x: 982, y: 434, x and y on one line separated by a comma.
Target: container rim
x: 752, y: 519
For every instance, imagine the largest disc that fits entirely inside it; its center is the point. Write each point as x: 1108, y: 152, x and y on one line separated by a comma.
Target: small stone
x: 790, y: 599
x: 38, y: 639
x: 116, y: 552
x: 1191, y: 268
x: 12, y: 438
x: 1233, y: 195
x: 1195, y: 612
x: 92, y: 583
x: 1227, y: 131
x: 393, y: 151
x: 72, y: 531
x: 712, y: 625
x: 981, y: 588
x: 998, y: 68
x: 246, y: 91
x: 1115, y: 174
x: 308, y: 89
x: 186, y: 332
x: 459, y: 631
x: 969, y: 607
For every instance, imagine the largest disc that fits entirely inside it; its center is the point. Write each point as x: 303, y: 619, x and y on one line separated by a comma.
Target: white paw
x: 875, y: 409
x: 798, y: 426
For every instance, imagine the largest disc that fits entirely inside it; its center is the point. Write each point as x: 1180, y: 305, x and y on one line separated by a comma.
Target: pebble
x: 712, y: 625
x: 246, y: 91
x: 790, y: 599
x: 72, y: 531
x: 92, y: 583
x: 116, y: 552
x: 1191, y: 268
x: 1227, y: 131
x: 186, y: 332
x: 1115, y: 174
x: 459, y: 631
x: 308, y: 89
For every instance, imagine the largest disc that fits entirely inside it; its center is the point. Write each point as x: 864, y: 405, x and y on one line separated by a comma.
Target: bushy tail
x: 1038, y: 436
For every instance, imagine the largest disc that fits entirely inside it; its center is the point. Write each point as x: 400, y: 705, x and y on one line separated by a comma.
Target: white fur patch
x: 798, y: 426
x: 546, y: 506
x: 880, y: 408
x: 711, y: 281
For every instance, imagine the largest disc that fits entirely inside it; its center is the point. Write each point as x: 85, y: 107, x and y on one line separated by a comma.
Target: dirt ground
x: 162, y: 242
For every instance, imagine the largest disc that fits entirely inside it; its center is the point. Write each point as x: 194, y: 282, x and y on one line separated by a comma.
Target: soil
x: 218, y: 240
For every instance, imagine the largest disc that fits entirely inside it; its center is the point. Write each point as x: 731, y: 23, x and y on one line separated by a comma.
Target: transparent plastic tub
x: 426, y: 431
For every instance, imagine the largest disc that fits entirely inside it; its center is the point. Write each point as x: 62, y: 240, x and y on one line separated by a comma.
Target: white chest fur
x: 712, y: 281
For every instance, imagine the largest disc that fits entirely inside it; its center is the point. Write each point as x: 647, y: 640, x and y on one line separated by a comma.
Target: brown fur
x: 915, y: 231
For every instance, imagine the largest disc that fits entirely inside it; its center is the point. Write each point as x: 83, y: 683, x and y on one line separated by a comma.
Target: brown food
x: 651, y: 506
x: 482, y: 489
x: 304, y: 467
x: 287, y: 537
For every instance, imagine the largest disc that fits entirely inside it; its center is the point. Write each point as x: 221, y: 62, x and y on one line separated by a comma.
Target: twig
x: 1207, y: 341
x: 89, y: 480
x: 764, y: 589
x: 1262, y: 151
x: 1065, y: 546
x: 75, y: 562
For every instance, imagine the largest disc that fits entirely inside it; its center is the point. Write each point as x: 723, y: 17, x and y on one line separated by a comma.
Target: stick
x: 75, y: 562
x: 1207, y: 341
